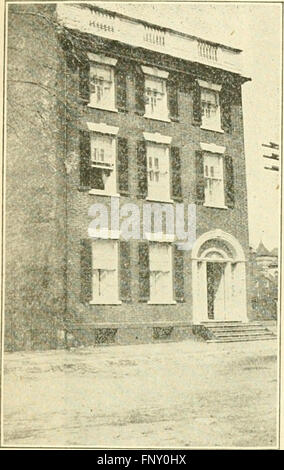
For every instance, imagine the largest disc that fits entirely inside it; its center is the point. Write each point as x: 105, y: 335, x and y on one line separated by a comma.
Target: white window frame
x: 161, y: 76
x: 164, y: 141
x: 97, y: 271
x: 217, y: 151
x: 215, y: 124
x: 111, y: 132
x: 154, y: 274
x: 109, y: 64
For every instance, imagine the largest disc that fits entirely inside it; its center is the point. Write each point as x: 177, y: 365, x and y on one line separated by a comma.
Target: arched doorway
x: 218, y: 278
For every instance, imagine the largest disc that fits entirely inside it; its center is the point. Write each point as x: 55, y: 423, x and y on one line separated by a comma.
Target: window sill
x: 102, y: 108
x: 96, y: 302
x: 212, y: 129
x: 163, y: 201
x: 172, y: 302
x: 214, y: 206
x: 99, y: 192
x: 158, y: 118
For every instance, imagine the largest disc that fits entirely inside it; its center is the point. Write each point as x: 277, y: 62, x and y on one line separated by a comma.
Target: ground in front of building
x: 185, y: 394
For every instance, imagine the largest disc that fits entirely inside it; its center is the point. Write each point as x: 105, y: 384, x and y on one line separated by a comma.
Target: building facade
x: 133, y: 115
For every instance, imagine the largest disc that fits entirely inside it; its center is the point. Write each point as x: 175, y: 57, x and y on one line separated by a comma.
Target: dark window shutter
x: 229, y: 181
x: 173, y: 95
x: 86, y: 270
x: 84, y: 81
x: 142, y: 169
x: 85, y: 155
x: 176, y: 173
x: 121, y: 86
x: 200, y: 181
x: 226, y: 110
x: 178, y: 274
x: 196, y: 103
x: 140, y: 91
x: 122, y: 157
x: 144, y: 272
x: 125, y: 271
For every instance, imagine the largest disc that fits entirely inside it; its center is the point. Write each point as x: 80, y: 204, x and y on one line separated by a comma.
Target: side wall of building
x: 35, y: 183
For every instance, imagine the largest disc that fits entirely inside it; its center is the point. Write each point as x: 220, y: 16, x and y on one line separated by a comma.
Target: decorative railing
x: 138, y: 34
x: 154, y: 36
x: 102, y: 21
x: 207, y: 51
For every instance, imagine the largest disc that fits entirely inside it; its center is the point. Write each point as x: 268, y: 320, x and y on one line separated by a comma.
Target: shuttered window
x: 196, y: 103
x: 144, y: 274
x: 200, y: 181
x: 142, y: 169
x: 140, y: 91
x: 173, y: 97
x: 161, y: 275
x: 121, y: 85
x: 176, y: 182
x: 122, y: 158
x: 226, y: 109
x: 105, y: 271
x: 229, y: 181
x: 86, y: 270
x: 178, y: 274
x: 125, y: 271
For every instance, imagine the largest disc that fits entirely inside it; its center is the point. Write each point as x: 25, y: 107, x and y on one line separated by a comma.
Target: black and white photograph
x: 141, y: 225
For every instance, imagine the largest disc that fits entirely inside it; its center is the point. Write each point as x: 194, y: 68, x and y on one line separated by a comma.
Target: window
x: 105, y: 272
x: 210, y: 109
x: 158, y: 172
x: 214, y: 181
x: 103, y: 163
x: 156, y: 101
x: 210, y: 106
x: 102, y: 82
x: 161, y: 283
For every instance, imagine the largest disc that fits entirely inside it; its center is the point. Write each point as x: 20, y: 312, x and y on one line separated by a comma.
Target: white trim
x: 97, y: 302
x: 101, y: 59
x: 209, y: 86
x: 157, y: 138
x: 154, y: 72
x: 212, y: 148
x: 102, y: 192
x: 163, y: 119
x: 162, y: 201
x: 103, y: 108
x: 102, y: 128
x: 213, y: 129
x: 103, y: 233
x: 214, y: 206
x: 160, y: 237
x: 219, y: 234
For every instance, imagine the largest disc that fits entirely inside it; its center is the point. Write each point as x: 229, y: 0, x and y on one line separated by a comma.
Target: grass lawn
x: 187, y: 394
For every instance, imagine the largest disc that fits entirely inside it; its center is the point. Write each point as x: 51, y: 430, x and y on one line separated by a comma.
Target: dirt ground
x: 167, y: 395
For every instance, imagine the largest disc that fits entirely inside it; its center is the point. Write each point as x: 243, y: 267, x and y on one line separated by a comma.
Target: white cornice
x: 212, y: 148
x: 102, y: 128
x: 154, y: 72
x: 157, y: 138
x: 208, y: 85
x: 101, y: 59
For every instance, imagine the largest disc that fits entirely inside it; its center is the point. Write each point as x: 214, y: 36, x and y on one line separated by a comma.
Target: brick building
x: 106, y: 109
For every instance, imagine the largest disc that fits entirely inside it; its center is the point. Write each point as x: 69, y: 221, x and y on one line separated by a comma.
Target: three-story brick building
x: 141, y: 114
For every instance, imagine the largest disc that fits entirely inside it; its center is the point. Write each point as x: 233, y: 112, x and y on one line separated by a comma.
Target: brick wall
x: 35, y: 186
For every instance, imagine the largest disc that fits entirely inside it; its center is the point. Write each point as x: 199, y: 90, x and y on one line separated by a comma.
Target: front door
x: 215, y: 291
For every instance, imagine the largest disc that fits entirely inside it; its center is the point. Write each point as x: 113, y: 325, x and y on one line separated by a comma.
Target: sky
x: 256, y: 29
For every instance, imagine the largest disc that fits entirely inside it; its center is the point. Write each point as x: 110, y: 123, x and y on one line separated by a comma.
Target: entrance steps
x: 225, y: 332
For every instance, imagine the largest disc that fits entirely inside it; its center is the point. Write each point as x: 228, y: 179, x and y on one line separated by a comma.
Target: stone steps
x: 224, y: 332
